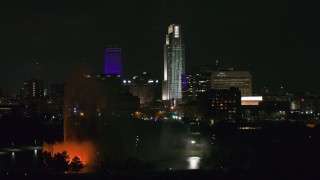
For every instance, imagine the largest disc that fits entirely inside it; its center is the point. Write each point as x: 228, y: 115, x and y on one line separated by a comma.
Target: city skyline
x: 275, y: 41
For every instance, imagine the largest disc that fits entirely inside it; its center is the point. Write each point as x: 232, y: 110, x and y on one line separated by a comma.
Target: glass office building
x: 174, y: 64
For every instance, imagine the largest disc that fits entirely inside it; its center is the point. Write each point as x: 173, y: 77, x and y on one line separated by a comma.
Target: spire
x: 37, y: 70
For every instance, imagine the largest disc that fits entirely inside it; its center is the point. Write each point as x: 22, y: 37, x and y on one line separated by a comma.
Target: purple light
x: 113, y: 61
x: 184, y: 81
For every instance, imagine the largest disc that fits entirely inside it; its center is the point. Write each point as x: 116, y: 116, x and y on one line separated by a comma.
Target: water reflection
x: 20, y: 159
x: 194, y: 162
x: 28, y: 159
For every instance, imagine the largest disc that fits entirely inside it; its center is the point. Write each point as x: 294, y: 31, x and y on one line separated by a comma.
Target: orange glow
x: 138, y: 114
x: 249, y: 103
x: 81, y: 114
x: 311, y: 125
x: 84, y: 150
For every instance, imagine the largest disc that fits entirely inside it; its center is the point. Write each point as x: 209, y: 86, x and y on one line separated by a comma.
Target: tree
x: 47, y: 161
x: 61, y: 162
x: 76, y: 165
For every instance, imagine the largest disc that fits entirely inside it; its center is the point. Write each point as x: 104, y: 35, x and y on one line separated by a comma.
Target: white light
x: 176, y: 31
x: 193, y: 142
x: 221, y: 74
x: 194, y: 162
x: 251, y: 98
x: 124, y: 81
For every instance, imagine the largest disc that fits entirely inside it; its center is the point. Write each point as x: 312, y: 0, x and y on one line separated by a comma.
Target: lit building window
x: 176, y: 31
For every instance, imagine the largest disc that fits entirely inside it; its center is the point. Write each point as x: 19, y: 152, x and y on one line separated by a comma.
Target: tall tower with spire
x: 174, y: 64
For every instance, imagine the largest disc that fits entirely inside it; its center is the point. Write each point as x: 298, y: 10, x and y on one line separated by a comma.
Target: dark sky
x: 276, y: 40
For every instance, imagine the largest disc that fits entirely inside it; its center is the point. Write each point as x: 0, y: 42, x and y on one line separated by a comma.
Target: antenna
x: 217, y: 64
x: 37, y: 70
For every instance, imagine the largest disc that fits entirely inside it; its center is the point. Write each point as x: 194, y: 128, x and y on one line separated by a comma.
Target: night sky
x: 277, y: 41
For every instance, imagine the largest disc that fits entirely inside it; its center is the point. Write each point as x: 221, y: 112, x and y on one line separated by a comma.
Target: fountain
x: 83, y: 100
x: 93, y: 130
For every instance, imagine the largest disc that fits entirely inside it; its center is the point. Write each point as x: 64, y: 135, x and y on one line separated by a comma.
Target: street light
x: 137, y: 141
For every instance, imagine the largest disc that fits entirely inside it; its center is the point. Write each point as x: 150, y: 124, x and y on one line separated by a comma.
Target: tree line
x: 60, y: 163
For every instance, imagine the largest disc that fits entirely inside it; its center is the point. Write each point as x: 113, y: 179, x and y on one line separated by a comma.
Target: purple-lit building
x: 112, y: 60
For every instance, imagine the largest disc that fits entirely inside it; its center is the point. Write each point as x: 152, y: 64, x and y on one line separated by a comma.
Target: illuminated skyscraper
x: 32, y: 89
x: 174, y: 64
x: 113, y: 61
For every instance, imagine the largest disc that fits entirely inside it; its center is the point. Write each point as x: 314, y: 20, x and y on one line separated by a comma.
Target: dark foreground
x: 263, y: 150
x: 183, y: 174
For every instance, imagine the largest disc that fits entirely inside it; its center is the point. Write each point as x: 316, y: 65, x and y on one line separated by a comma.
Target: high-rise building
x: 174, y: 64
x: 226, y: 78
x: 220, y: 104
x: 32, y: 95
x: 197, y: 82
x: 113, y: 61
x: 32, y: 89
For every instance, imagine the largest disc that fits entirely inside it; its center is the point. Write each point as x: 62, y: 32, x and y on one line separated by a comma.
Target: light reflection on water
x: 194, y: 162
x: 28, y: 159
x: 20, y: 159
x: 186, y: 163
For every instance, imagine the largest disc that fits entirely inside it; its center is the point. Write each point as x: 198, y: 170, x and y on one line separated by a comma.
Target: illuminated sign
x: 221, y: 74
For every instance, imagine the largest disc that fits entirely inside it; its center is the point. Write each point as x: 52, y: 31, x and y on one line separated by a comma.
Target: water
x: 28, y: 159
x: 185, y: 163
x: 24, y: 159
